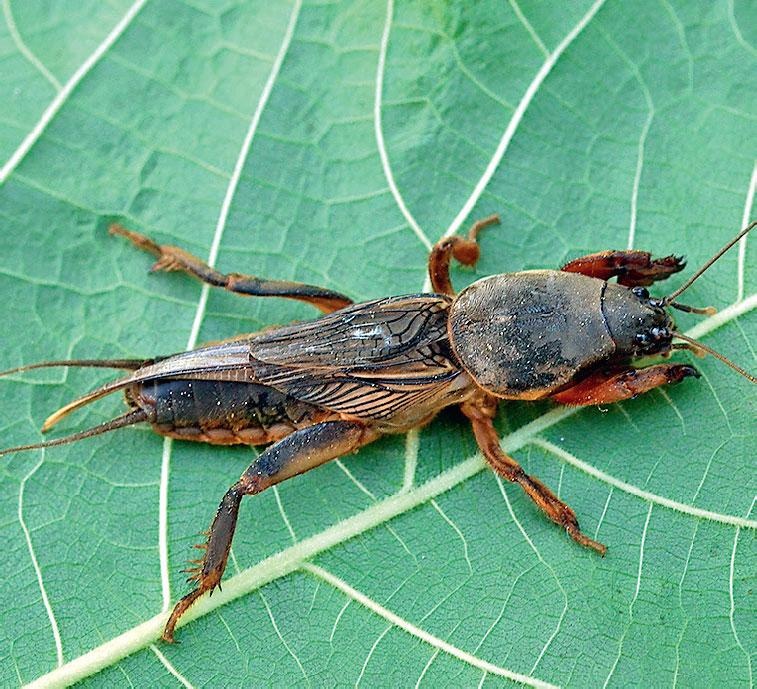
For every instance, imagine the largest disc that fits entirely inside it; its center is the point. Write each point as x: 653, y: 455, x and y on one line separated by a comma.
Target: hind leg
x: 174, y: 258
x: 297, y: 453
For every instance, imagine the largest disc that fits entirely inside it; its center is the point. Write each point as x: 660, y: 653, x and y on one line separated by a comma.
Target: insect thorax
x: 524, y: 335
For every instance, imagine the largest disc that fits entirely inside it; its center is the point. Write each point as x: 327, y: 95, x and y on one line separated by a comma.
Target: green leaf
x: 333, y: 144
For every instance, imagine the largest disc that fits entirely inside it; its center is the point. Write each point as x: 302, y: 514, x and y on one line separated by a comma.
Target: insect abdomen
x: 222, y: 412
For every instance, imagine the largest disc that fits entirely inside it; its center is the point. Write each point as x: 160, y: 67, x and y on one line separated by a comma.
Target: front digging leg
x: 632, y: 268
x: 297, y: 453
x: 464, y: 249
x: 622, y: 383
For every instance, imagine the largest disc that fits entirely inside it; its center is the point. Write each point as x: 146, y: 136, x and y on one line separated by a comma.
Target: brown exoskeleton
x: 324, y: 388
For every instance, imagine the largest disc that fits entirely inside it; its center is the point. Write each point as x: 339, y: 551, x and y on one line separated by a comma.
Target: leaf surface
x: 333, y: 144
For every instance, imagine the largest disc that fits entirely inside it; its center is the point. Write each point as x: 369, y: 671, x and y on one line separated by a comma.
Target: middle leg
x: 481, y: 414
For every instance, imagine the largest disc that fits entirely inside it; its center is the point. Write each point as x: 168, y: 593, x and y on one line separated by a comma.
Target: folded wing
x: 372, y: 360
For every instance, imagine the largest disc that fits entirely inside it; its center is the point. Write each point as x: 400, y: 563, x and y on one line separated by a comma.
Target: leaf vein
x: 379, y: 133
x: 283, y: 514
x: 551, y: 569
x: 171, y: 669
x: 681, y: 31
x: 686, y: 564
x: 517, y: 116
x: 408, y: 627
x: 737, y: 30
x: 24, y: 49
x: 426, y: 667
x: 527, y: 24
x: 35, y: 562
x: 732, y: 609
x: 354, y: 480
x: 282, y: 639
x: 412, y: 445
x: 457, y: 530
x: 62, y: 96
x: 634, y: 599
x: 370, y: 655
x: 651, y: 498
x: 745, y: 219
x: 642, y: 136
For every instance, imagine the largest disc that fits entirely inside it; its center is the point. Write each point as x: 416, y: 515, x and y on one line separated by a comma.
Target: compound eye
x: 660, y: 333
x: 641, y: 292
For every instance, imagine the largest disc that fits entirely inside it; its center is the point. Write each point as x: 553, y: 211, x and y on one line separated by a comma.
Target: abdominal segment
x: 223, y: 412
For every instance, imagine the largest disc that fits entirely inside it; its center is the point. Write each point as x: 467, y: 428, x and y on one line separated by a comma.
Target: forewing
x: 373, y: 360
x: 373, y: 335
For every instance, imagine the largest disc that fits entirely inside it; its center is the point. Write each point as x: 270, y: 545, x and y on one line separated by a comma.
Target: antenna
x: 668, y: 301
x: 693, y: 345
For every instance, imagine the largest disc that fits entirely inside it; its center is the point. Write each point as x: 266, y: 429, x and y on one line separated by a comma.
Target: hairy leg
x: 297, y: 453
x: 617, y: 384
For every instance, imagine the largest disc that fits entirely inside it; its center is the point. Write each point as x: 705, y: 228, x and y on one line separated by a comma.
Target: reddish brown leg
x: 174, y: 258
x: 481, y: 412
x: 615, y: 385
x: 295, y: 454
x: 632, y: 268
x: 464, y: 249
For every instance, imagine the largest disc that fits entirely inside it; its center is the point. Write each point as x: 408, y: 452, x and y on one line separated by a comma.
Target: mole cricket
x: 316, y: 390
